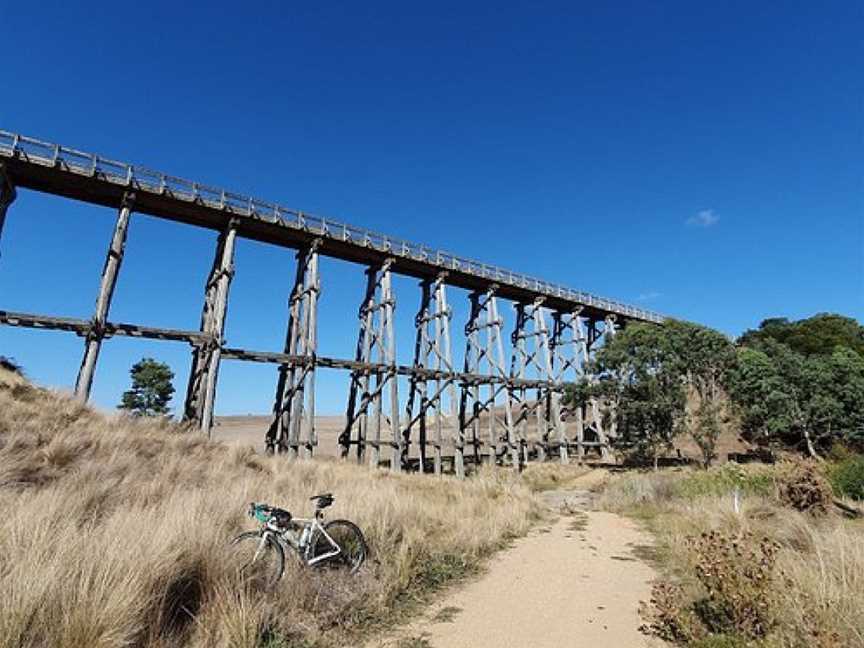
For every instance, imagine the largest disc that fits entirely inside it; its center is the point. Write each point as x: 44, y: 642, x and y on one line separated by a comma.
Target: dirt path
x: 572, y: 584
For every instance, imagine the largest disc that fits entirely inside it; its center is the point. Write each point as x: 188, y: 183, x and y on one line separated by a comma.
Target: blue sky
x: 703, y: 160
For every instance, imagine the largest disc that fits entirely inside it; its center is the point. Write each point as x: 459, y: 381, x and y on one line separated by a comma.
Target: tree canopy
x: 821, y: 334
x: 794, y: 384
x: 801, y: 395
x: 645, y: 374
x: 151, y: 389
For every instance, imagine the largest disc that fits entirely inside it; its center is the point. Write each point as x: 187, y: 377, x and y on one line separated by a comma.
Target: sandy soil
x: 574, y: 583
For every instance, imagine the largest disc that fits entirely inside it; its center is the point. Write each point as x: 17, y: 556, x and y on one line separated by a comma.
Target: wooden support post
x: 418, y: 387
x: 519, y: 394
x: 498, y: 369
x: 582, y: 358
x: 487, y: 360
x: 7, y: 196
x: 93, y: 339
x: 445, y: 363
x: 568, y: 358
x: 376, y: 336
x: 360, y: 378
x: 552, y: 411
x: 432, y: 352
x: 389, y: 358
x: 591, y: 341
x: 201, y: 393
x: 293, y: 424
x: 469, y: 401
x: 528, y: 354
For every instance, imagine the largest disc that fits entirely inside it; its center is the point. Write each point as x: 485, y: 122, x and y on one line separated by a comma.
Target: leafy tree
x: 704, y: 359
x: 788, y: 398
x: 645, y: 374
x: 151, y: 388
x: 642, y: 393
x: 821, y: 334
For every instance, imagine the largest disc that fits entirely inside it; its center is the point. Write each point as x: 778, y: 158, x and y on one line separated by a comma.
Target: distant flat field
x: 251, y: 429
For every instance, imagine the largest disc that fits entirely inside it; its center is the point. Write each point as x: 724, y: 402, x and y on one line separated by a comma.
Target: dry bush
x: 801, y: 485
x: 669, y: 615
x: 114, y: 533
x: 738, y: 593
x: 818, y: 602
x: 739, y: 578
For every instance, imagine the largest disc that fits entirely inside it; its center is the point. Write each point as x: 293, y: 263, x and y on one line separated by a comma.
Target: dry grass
x: 553, y: 476
x: 114, y: 533
x: 819, y: 564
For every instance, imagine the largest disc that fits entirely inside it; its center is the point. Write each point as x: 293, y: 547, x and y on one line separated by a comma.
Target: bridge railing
x: 143, y: 179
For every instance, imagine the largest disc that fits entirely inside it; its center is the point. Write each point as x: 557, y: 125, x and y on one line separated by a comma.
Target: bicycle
x: 336, y: 544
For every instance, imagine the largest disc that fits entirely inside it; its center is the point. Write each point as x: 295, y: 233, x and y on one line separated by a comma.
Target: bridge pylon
x: 201, y: 391
x: 94, y: 336
x: 532, y: 353
x: 433, y: 363
x: 293, y: 425
x: 484, y: 380
x: 370, y: 379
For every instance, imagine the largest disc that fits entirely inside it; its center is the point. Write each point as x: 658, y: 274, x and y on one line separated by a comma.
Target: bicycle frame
x: 287, y: 539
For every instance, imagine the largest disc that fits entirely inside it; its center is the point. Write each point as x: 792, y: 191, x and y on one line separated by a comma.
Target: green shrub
x: 718, y: 482
x: 847, y: 477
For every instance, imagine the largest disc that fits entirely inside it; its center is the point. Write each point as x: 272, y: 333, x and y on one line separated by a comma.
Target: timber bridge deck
x: 499, y: 397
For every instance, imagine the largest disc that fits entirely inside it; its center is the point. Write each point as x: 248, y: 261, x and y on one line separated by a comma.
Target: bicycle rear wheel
x: 261, y: 558
x: 350, y: 542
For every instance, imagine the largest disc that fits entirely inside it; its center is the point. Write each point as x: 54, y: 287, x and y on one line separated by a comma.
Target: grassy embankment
x: 767, y: 575
x: 114, y: 533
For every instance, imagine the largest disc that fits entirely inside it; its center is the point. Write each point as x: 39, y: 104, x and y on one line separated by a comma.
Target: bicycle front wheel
x: 261, y: 559
x: 347, y: 550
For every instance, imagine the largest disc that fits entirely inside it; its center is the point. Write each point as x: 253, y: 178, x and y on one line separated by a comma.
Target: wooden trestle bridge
x: 555, y: 331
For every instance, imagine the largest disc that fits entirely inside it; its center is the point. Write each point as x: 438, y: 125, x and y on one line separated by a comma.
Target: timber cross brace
x: 507, y: 404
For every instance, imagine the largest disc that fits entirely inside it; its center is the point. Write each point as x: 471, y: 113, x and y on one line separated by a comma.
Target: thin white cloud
x: 703, y: 218
x: 649, y: 296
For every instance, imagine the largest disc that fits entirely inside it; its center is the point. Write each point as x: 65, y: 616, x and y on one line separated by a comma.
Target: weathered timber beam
x: 113, y: 260
x: 82, y: 327
x: 372, y: 368
x: 154, y: 333
x: 31, y: 320
x: 197, y: 338
x: 230, y: 353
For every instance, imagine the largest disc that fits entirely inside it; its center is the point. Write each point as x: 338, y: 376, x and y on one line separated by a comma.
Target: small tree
x: 657, y: 381
x: 705, y: 359
x: 151, y: 389
x: 639, y: 383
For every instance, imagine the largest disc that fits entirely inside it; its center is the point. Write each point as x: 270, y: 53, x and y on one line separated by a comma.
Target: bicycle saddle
x: 322, y: 501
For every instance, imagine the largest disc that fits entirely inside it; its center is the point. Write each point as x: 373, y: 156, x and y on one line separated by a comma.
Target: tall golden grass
x: 820, y: 562
x: 113, y: 533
